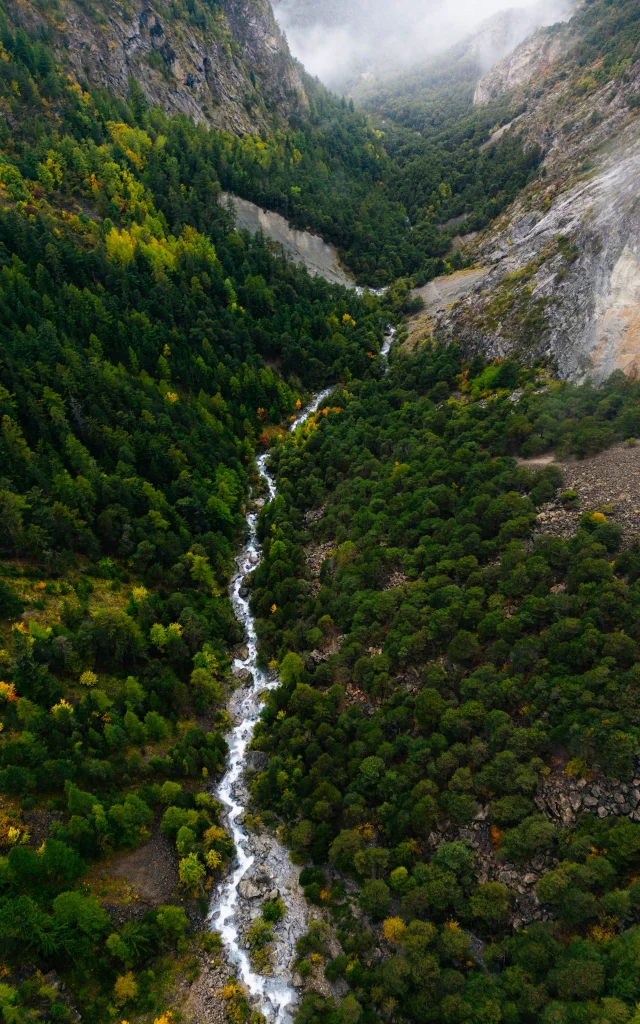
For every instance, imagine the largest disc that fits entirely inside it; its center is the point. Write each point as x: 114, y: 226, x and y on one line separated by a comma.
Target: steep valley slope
x: 563, y: 272
x: 449, y: 642
x: 225, y: 65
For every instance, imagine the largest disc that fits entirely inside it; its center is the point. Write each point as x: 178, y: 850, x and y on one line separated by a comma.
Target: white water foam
x: 273, y: 993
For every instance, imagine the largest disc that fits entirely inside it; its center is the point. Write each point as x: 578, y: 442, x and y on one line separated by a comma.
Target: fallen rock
x: 256, y: 760
x: 575, y: 799
x: 244, y: 677
x: 248, y: 890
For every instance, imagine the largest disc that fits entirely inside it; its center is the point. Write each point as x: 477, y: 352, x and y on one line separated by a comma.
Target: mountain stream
x: 261, y: 869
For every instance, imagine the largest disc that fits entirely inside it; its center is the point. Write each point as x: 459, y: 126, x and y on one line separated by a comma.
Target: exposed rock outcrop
x: 518, y: 67
x: 562, y: 800
x: 564, y: 260
x: 319, y: 257
x: 231, y: 69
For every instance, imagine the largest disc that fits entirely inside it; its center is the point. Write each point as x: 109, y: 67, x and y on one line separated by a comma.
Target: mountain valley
x: 319, y: 520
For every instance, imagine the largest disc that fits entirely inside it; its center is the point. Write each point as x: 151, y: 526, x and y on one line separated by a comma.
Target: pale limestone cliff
x: 564, y: 259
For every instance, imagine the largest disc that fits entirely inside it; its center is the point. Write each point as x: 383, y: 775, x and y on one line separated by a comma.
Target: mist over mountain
x: 341, y: 43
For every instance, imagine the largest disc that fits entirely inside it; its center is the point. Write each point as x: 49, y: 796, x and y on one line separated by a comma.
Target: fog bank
x: 340, y: 41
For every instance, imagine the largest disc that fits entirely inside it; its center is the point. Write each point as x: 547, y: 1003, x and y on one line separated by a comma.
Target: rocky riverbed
x: 268, y: 874
x: 262, y: 869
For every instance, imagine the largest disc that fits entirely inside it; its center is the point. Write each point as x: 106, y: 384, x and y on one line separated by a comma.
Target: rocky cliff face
x: 226, y: 65
x: 500, y: 38
x: 519, y: 66
x: 564, y: 261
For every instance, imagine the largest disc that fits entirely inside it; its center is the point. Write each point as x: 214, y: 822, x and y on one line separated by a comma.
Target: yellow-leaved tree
x: 393, y: 928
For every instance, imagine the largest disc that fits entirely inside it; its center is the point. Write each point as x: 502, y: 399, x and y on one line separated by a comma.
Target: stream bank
x: 262, y: 869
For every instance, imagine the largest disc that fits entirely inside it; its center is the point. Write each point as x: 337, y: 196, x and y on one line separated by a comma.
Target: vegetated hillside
x: 328, y: 170
x: 383, y: 198
x: 565, y: 279
x: 391, y: 194
x: 453, y: 747
x: 223, y: 63
x: 148, y: 351
x: 135, y: 330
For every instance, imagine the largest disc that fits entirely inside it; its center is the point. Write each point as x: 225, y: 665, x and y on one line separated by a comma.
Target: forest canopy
x: 147, y: 352
x: 441, y: 657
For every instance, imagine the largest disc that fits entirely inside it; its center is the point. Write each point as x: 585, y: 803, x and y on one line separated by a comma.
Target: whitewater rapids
x: 258, y: 856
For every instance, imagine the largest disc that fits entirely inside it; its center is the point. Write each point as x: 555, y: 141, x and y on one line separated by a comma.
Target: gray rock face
x: 518, y: 67
x: 564, y: 280
x: 442, y: 292
x: 233, y: 70
x: 319, y: 257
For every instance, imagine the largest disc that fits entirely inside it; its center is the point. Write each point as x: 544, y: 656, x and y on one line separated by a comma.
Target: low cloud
x: 339, y: 42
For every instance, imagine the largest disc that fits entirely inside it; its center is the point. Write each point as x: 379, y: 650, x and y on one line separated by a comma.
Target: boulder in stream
x: 247, y: 890
x: 244, y: 677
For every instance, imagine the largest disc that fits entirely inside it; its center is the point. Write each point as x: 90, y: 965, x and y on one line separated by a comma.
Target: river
x: 262, y: 868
